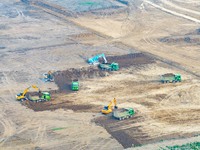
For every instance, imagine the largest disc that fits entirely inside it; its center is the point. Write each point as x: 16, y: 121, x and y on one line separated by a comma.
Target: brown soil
x: 134, y: 136
x: 176, y: 117
x: 63, y: 78
x: 122, y: 136
x: 126, y: 61
x: 61, y: 104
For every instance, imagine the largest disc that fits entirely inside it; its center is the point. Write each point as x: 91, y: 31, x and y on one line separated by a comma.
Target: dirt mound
x: 120, y: 131
x: 85, y: 36
x: 181, y: 39
x: 177, y: 116
x: 63, y: 78
x: 129, y: 133
x: 129, y: 60
x: 187, y: 95
x: 61, y: 104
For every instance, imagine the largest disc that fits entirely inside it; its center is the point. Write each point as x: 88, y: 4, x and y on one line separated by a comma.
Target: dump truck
x: 109, y: 66
x: 123, y: 113
x: 39, y: 97
x: 75, y: 85
x: 170, y: 77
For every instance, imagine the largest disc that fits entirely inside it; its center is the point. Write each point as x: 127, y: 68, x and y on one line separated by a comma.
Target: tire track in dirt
x: 173, y: 12
x: 188, y: 88
x: 8, y: 128
x: 188, y: 2
x: 8, y: 124
x: 179, y: 8
x: 156, y: 56
x: 41, y: 134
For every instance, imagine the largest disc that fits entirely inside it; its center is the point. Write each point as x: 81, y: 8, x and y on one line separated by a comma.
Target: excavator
x: 95, y: 60
x: 43, y: 96
x: 48, y: 77
x: 108, y: 109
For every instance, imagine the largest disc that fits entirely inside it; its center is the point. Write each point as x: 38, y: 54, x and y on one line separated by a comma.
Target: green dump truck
x: 41, y: 97
x: 109, y: 66
x: 170, y: 77
x: 46, y: 96
x: 123, y: 113
x: 75, y: 85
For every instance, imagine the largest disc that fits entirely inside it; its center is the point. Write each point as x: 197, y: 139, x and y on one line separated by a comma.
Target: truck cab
x: 46, y: 96
x: 115, y: 66
x: 75, y: 85
x: 177, y: 77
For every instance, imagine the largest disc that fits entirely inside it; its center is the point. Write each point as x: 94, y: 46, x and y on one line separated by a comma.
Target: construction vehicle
x: 170, y: 77
x: 109, y: 67
x: 123, y: 113
x: 75, y: 85
x: 95, y: 60
x: 41, y: 96
x: 108, y: 109
x: 22, y: 96
x: 48, y: 77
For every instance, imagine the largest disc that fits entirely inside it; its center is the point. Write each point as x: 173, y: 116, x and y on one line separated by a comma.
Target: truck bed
x: 120, y: 113
x: 168, y: 75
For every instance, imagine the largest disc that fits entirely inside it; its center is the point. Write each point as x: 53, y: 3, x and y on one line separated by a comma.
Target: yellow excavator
x: 108, y: 109
x: 42, y: 96
x: 22, y: 96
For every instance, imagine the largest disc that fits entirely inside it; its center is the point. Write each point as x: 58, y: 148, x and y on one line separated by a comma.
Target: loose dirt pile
x: 182, y: 39
x: 64, y: 78
x: 189, y: 38
x: 56, y: 103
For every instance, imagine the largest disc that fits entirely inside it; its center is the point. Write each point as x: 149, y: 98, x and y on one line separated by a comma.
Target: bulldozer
x: 48, y: 77
x: 108, y: 109
x: 43, y: 96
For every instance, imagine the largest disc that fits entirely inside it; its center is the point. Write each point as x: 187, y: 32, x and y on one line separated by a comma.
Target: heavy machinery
x: 41, y: 96
x: 48, y: 77
x: 75, y: 85
x: 95, y: 60
x: 109, y: 67
x: 123, y: 113
x: 22, y: 96
x: 108, y: 109
x: 170, y: 77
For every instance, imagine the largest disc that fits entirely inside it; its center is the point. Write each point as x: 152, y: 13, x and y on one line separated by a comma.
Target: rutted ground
x: 35, y: 40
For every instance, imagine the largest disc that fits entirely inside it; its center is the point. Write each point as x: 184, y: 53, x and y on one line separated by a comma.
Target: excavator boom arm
x: 96, y: 58
x: 27, y: 89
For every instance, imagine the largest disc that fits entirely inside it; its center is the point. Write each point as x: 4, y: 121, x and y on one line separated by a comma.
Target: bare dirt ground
x: 147, y: 38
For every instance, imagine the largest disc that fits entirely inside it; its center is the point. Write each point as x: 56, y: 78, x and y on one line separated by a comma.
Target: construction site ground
x: 145, y: 37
